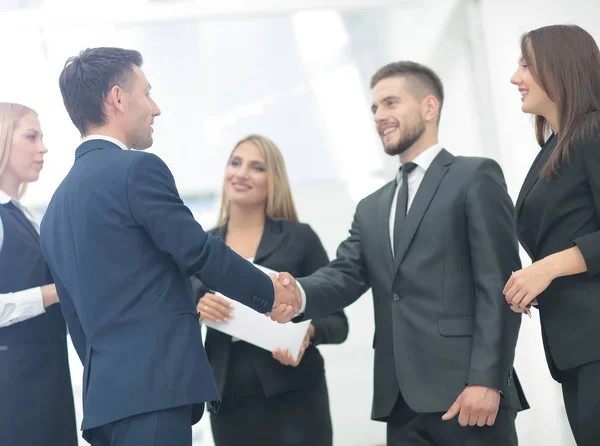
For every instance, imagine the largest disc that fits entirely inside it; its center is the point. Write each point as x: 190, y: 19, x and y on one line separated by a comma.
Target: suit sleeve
x: 589, y: 244
x: 198, y: 289
x: 340, y: 283
x: 494, y: 255
x: 73, y: 324
x: 333, y: 328
x: 155, y: 204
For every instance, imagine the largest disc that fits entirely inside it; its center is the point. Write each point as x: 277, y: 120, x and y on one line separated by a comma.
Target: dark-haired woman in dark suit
x: 558, y: 214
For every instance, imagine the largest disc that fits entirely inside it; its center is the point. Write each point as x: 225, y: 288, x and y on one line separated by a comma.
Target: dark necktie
x: 402, y: 203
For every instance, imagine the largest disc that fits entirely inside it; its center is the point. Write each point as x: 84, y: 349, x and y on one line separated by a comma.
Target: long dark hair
x: 565, y: 61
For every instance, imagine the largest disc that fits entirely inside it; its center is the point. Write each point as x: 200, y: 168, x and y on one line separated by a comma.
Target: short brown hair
x: 424, y: 81
x: 565, y: 61
x: 87, y: 78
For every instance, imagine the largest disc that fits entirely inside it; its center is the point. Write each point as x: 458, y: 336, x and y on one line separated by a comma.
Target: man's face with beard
x: 397, y: 115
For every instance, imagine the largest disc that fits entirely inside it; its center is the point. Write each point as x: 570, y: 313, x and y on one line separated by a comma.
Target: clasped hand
x: 287, y: 303
x: 288, y: 299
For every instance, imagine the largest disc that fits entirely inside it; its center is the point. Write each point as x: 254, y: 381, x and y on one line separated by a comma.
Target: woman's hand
x: 214, y: 308
x: 526, y: 284
x: 285, y: 357
x: 49, y: 295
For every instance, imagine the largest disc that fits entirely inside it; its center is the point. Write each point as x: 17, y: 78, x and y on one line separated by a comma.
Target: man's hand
x: 288, y: 299
x: 477, y: 405
x: 214, y: 308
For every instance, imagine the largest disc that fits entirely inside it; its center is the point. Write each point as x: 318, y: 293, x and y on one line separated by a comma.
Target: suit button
x: 254, y: 298
x: 396, y: 297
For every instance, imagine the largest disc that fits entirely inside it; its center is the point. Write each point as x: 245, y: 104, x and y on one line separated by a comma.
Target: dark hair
x: 424, y: 80
x: 88, y: 77
x: 565, y: 61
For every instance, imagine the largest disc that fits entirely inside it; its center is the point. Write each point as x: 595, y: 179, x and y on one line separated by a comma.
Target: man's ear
x: 430, y: 108
x: 115, y: 98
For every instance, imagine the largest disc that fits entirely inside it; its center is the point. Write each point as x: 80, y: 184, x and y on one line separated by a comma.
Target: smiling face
x: 534, y: 99
x: 246, y: 182
x: 397, y: 115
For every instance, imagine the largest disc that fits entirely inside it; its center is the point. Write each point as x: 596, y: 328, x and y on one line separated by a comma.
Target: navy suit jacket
x: 122, y: 246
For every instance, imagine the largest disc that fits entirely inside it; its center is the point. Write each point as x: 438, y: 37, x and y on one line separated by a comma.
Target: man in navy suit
x: 122, y: 246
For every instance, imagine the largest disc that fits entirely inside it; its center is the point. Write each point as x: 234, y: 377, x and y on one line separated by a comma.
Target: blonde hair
x: 10, y: 115
x: 280, y: 204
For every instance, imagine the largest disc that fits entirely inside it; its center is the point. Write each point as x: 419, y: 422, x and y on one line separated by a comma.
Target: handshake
x: 288, y: 299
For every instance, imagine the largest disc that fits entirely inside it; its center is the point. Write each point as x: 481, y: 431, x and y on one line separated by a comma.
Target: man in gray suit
x: 436, y: 246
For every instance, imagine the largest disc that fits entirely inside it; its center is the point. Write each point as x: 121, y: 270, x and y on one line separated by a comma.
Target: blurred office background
x: 298, y: 72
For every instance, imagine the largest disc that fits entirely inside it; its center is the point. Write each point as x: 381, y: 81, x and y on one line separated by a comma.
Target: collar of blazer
x: 94, y: 144
x: 431, y: 181
x: 273, y: 235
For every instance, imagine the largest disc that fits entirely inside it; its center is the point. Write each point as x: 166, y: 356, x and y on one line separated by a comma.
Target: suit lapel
x: 383, y: 221
x: 273, y: 235
x: 22, y: 218
x: 532, y: 176
x: 425, y: 194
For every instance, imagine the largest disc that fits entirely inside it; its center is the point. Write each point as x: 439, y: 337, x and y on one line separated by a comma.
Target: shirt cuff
x: 303, y: 306
x: 21, y: 305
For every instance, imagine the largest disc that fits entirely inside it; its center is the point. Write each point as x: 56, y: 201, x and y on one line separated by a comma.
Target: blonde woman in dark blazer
x: 258, y: 220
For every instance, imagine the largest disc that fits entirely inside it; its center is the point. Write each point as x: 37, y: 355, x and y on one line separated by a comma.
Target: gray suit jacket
x: 441, y: 321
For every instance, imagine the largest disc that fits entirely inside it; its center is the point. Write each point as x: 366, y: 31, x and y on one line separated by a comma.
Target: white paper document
x: 257, y: 329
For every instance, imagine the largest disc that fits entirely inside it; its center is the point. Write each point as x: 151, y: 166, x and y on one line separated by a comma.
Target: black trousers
x: 408, y: 428
x: 170, y: 427
x: 581, y: 393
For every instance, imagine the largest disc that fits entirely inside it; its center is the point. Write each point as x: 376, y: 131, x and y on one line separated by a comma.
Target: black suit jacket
x: 295, y: 248
x: 553, y: 216
x: 440, y: 317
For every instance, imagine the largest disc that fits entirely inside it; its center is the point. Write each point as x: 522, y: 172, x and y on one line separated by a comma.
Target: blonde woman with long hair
x: 259, y: 221
x: 35, y: 383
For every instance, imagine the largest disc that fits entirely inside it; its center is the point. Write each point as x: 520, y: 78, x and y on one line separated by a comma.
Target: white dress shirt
x: 105, y: 138
x: 20, y: 305
x: 423, y: 161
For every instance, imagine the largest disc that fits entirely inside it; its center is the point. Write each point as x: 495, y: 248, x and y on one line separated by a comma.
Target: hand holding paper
x: 285, y: 357
x: 214, y: 308
x: 253, y: 327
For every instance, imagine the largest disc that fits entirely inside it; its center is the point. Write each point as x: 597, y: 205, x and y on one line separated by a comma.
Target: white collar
x: 426, y: 157
x: 105, y: 138
x: 5, y: 198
